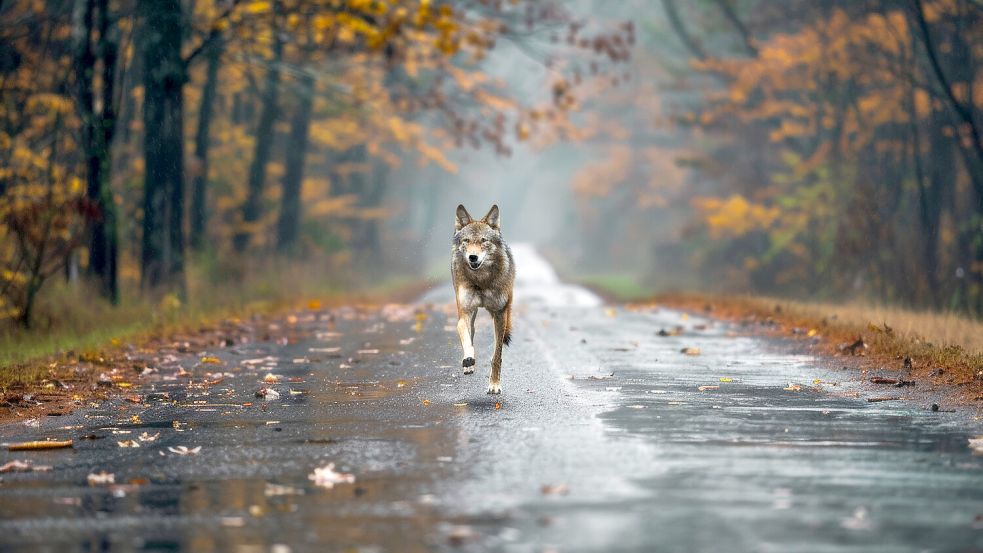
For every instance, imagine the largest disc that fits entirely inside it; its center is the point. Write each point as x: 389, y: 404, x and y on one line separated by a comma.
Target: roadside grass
x: 622, y: 286
x: 72, y: 319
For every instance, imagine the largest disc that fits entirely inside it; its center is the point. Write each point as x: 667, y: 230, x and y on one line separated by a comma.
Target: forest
x: 814, y: 149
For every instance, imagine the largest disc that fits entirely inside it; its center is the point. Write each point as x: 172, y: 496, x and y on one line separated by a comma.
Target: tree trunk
x: 162, y: 258
x: 288, y: 226
x: 253, y: 207
x: 199, y: 198
x: 98, y: 129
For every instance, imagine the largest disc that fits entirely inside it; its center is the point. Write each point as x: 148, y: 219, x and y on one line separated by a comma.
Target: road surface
x: 603, y: 440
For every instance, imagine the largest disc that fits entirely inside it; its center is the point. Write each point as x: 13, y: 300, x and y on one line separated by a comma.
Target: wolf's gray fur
x: 483, y: 272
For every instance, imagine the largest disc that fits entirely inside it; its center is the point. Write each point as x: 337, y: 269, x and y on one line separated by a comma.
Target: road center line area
x: 607, y: 437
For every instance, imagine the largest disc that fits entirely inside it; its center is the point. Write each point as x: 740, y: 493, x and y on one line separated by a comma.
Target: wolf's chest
x: 471, y: 297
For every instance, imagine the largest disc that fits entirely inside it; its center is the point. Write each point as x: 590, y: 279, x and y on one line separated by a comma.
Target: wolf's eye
x: 466, y: 240
x: 484, y: 240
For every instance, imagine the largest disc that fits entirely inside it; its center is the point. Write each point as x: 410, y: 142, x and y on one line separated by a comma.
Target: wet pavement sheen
x: 602, y: 440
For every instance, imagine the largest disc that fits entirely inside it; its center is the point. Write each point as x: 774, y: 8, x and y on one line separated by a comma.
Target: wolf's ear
x: 462, y: 218
x: 493, y: 219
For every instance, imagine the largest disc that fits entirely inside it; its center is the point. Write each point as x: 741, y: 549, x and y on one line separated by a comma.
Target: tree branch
x: 672, y: 12
x: 214, y: 35
x: 964, y: 113
x: 728, y: 10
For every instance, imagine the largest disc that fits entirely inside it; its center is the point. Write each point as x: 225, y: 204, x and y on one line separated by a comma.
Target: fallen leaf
x: 498, y: 405
x: 726, y: 379
x: 146, y: 437
x: 271, y: 378
x: 101, y: 478
x: 426, y: 402
x: 461, y: 404
x: 792, y: 387
x: 976, y: 444
x: 690, y: 351
x: 128, y: 443
x: 268, y: 394
x: 327, y: 477
x: 23, y: 466
x: 557, y: 489
x: 705, y: 388
x: 211, y: 360
x: 184, y: 450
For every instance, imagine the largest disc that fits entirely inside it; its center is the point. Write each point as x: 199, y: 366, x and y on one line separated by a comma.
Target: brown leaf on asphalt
x: 554, y: 489
x: 45, y: 444
x: 690, y: 351
x: 792, y: 387
x: 708, y: 387
x: 211, y: 360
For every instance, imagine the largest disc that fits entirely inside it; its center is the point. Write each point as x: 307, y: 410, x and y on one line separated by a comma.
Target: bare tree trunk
x: 98, y: 128
x: 253, y: 208
x: 199, y: 195
x: 162, y: 259
x: 288, y: 226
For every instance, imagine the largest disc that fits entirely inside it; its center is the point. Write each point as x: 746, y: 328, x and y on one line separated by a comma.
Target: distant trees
x: 868, y: 176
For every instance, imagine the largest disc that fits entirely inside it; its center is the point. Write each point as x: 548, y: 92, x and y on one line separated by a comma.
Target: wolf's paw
x: 494, y: 388
x: 468, y: 365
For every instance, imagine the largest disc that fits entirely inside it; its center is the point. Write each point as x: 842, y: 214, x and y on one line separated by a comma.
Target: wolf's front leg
x: 494, y: 380
x: 465, y: 325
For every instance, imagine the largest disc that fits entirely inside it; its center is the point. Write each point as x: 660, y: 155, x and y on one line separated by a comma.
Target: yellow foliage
x: 734, y: 216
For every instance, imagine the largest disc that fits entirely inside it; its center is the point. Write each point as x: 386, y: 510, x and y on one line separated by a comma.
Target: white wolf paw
x: 494, y: 388
x: 468, y: 365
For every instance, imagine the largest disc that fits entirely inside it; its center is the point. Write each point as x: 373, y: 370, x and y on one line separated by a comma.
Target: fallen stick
x: 881, y: 380
x: 32, y: 446
x: 879, y: 399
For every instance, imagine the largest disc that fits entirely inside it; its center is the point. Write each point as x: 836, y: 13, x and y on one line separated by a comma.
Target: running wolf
x: 483, y: 272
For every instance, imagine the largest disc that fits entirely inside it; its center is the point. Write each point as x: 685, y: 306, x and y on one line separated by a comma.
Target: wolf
x: 483, y: 273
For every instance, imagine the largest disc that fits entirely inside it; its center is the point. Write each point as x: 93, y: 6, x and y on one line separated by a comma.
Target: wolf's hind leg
x: 494, y: 380
x: 465, y: 331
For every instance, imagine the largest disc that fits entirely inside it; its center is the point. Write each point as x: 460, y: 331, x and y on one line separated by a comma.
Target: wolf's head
x: 477, y: 242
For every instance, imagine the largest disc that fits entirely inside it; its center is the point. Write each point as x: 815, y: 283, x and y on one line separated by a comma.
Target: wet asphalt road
x: 568, y: 458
